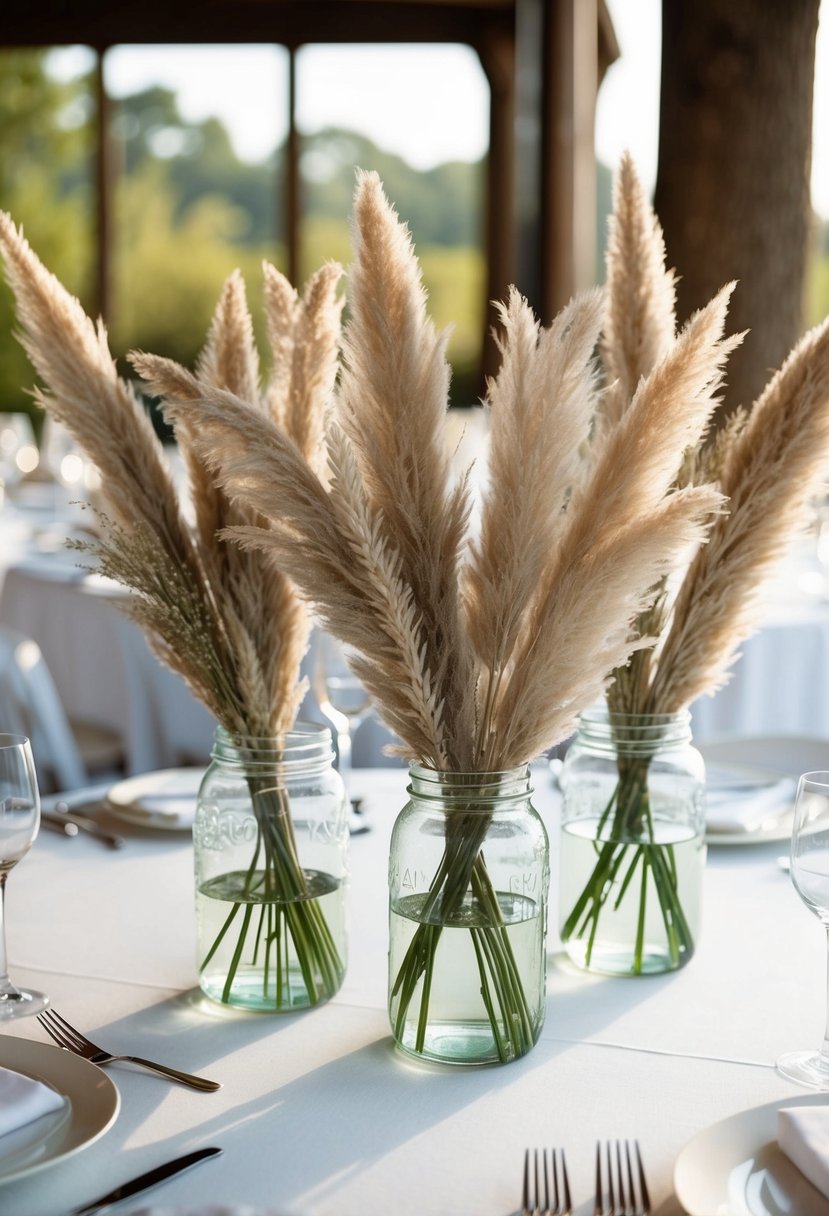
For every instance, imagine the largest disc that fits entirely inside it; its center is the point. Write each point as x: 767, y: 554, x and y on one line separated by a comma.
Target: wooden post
x: 568, y: 160
x: 497, y: 55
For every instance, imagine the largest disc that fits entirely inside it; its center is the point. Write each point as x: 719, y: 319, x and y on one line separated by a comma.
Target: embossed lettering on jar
x: 271, y: 848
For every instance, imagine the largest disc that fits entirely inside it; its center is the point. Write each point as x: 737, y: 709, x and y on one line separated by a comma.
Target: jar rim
x: 477, y: 791
x: 304, y: 743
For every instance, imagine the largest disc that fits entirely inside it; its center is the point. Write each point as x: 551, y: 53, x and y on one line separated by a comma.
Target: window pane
x: 197, y: 134
x: 419, y: 115
x: 46, y: 175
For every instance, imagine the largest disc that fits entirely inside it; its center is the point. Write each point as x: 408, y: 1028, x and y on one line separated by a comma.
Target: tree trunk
x: 732, y: 188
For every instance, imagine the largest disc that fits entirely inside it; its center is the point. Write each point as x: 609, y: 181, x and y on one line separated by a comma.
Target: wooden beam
x: 100, y: 23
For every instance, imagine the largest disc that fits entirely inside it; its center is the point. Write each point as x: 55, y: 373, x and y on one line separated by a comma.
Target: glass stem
x: 7, y: 988
x: 824, y: 1047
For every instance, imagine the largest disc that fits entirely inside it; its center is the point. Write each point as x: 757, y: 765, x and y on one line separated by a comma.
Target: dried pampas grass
x: 478, y: 657
x: 225, y: 619
x: 766, y: 461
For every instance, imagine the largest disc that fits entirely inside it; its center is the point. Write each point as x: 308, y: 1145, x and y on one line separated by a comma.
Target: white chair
x: 66, y: 756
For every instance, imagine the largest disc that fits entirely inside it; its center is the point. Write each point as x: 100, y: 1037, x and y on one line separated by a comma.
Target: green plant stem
x: 463, y: 870
x: 625, y: 836
x: 297, y: 926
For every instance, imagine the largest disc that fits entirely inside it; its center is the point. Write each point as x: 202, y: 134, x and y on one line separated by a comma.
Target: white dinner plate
x: 766, y: 759
x: 735, y: 1168
x: 164, y: 799
x: 91, y: 1104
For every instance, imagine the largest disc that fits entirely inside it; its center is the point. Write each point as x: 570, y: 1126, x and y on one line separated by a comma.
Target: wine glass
x: 19, y: 822
x: 810, y: 875
x: 18, y: 450
x: 341, y: 696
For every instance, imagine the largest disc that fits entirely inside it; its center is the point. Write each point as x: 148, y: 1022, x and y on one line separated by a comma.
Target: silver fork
x: 70, y: 1039
x: 622, y: 1190
x: 546, y: 1190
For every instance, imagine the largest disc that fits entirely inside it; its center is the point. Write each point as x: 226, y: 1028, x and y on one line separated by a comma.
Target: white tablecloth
x: 319, y: 1114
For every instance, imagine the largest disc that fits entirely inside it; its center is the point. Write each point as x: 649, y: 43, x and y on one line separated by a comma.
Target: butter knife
x: 144, y: 1181
x: 63, y: 813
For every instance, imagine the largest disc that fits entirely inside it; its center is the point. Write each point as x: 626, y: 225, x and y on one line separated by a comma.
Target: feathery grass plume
x: 69, y: 352
x: 225, y: 618
x: 771, y: 468
x: 631, y: 479
x: 393, y: 402
x: 146, y: 543
x: 545, y: 385
x: 328, y: 539
x: 639, y: 334
x: 640, y: 319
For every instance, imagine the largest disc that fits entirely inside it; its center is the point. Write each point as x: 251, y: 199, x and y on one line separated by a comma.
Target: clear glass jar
x: 468, y: 879
x: 632, y: 843
x: 271, y: 865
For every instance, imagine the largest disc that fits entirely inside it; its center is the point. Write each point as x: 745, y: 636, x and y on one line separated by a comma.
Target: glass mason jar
x: 468, y: 878
x: 271, y: 855
x: 632, y: 843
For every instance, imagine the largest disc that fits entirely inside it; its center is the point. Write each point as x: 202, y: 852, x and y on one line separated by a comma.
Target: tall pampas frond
x: 84, y: 392
x: 393, y: 402
x: 771, y: 468
x: 640, y: 320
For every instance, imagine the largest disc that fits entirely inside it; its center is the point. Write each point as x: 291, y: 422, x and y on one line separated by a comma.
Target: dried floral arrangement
x: 225, y: 618
x: 478, y: 652
x: 767, y: 462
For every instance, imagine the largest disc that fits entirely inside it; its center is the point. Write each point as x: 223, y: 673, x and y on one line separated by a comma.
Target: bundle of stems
x: 767, y: 462
x: 478, y: 652
x: 226, y: 619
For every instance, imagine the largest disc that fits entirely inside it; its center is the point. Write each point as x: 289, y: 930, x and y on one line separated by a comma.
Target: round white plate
x: 735, y: 1168
x: 768, y: 758
x: 164, y: 799
x: 91, y: 1107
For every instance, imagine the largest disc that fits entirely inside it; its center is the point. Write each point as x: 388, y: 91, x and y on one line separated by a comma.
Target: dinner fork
x: 625, y: 1191
x: 70, y: 1039
x: 538, y: 1198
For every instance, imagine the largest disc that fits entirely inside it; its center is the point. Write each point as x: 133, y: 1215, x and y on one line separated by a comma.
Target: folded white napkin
x: 803, y: 1135
x: 745, y: 809
x: 22, y: 1100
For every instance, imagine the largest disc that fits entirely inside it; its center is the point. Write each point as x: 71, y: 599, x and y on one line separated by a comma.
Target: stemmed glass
x: 18, y: 450
x: 341, y: 696
x: 810, y: 874
x: 19, y: 822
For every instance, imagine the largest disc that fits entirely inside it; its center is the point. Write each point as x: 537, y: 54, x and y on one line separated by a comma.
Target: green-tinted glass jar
x: 468, y: 880
x: 632, y: 843
x: 271, y: 865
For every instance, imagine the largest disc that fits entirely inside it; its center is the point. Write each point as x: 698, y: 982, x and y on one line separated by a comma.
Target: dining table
x: 320, y: 1114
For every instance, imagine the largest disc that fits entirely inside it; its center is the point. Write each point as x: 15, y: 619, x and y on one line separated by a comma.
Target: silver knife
x: 64, y: 813
x: 144, y: 1181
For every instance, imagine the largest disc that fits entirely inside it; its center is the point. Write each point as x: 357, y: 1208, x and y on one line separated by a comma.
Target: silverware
x: 144, y: 1181
x: 58, y: 823
x: 70, y: 1039
x: 71, y: 824
x: 623, y: 1191
x: 546, y: 1191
